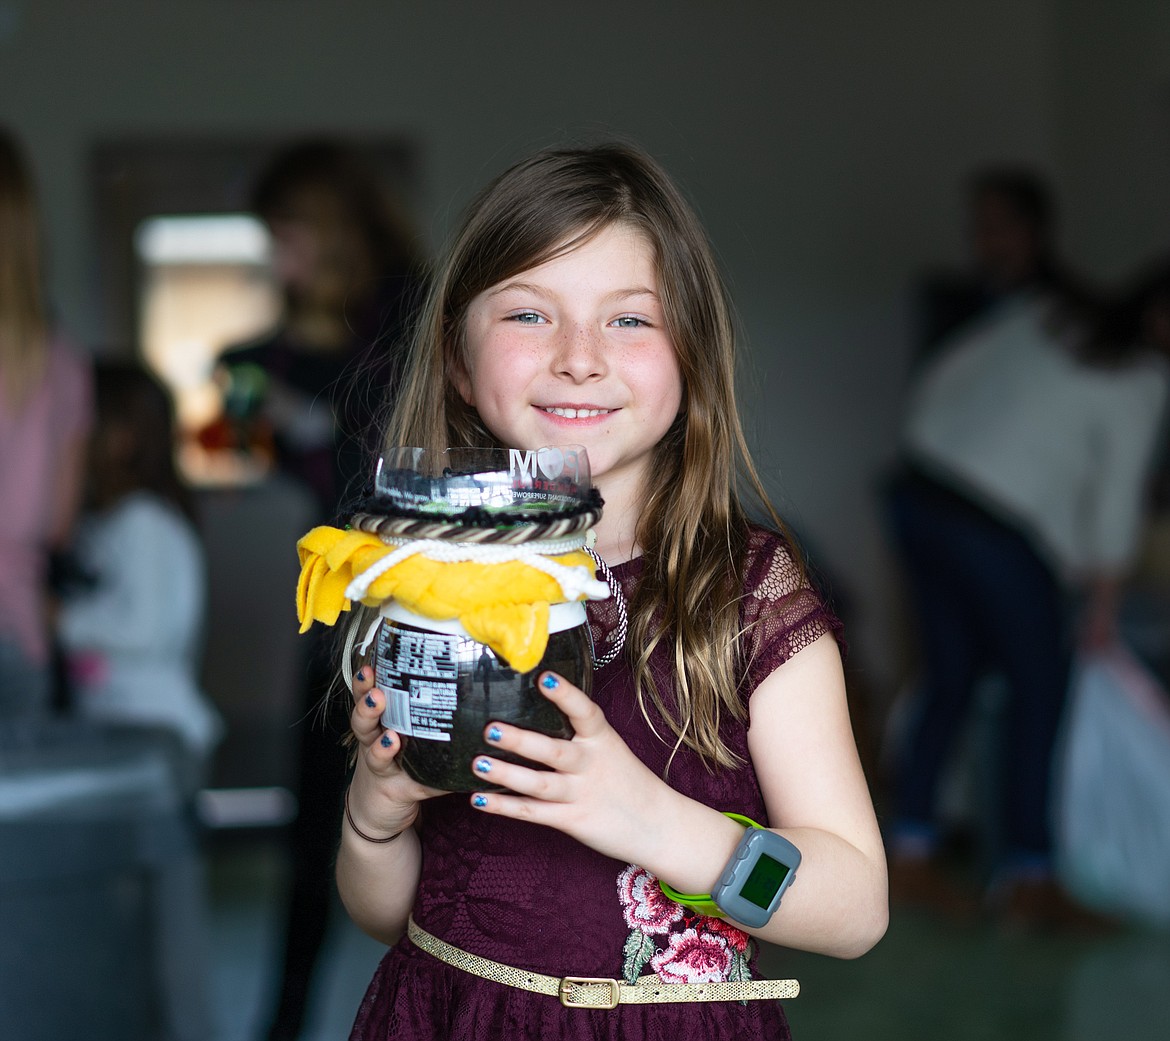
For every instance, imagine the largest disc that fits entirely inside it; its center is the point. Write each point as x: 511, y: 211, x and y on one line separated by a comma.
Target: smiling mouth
x: 576, y: 413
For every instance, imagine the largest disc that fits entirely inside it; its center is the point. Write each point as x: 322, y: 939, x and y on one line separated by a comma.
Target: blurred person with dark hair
x: 1018, y: 508
x: 348, y: 268
x: 1012, y: 220
x: 45, y: 414
x: 133, y: 637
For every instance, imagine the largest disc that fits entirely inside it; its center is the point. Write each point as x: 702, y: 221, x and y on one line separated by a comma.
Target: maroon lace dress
x: 531, y: 897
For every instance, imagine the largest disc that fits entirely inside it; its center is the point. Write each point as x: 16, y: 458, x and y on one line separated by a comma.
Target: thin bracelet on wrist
x: 361, y: 834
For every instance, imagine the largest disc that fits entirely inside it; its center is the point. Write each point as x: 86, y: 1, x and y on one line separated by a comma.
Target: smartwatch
x: 749, y: 889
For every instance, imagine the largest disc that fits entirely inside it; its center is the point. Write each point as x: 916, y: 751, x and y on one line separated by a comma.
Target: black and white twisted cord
x: 619, y: 599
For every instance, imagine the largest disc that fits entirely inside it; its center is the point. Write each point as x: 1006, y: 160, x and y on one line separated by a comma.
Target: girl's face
x: 575, y: 351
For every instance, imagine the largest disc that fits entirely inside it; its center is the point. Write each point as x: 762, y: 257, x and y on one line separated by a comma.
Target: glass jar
x: 442, y: 686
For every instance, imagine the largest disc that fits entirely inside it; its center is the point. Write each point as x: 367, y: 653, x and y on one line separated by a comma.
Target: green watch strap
x: 702, y: 902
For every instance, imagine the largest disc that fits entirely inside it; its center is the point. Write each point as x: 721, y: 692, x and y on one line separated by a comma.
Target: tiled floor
x: 926, y: 980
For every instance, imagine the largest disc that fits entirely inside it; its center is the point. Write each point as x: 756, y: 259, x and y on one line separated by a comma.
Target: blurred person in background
x: 311, y: 388
x: 131, y: 631
x: 45, y: 415
x: 1017, y: 509
x: 132, y: 638
x: 1011, y: 229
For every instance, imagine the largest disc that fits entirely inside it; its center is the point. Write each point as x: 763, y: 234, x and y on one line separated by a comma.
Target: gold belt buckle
x: 569, y: 982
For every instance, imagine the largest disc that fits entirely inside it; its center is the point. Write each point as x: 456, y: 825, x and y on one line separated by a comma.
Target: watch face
x: 765, y: 879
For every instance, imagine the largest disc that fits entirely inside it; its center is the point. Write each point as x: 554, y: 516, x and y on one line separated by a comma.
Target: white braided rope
x: 575, y: 582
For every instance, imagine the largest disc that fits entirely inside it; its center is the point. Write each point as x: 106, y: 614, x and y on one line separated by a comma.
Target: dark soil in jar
x: 458, y: 686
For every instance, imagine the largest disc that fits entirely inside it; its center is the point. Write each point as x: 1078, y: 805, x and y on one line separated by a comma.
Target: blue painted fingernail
x: 387, y: 740
x: 370, y: 702
x: 550, y: 682
x: 484, y: 766
x: 360, y: 676
x: 480, y: 801
x: 495, y: 733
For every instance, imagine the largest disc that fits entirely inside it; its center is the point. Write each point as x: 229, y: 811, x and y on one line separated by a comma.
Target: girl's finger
x: 517, y: 807
x: 545, y: 785
x: 366, y: 718
x: 587, y: 719
x: 363, y: 681
x: 383, y: 750
x: 555, y: 752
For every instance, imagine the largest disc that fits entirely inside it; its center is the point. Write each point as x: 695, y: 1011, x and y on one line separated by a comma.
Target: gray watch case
x: 755, y: 844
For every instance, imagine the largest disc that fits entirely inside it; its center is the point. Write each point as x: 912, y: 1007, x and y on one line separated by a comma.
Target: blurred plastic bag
x: 1113, y: 788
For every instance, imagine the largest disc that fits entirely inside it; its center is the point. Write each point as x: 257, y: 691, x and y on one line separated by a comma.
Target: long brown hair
x: 693, y: 527
x: 23, y: 321
x: 135, y: 404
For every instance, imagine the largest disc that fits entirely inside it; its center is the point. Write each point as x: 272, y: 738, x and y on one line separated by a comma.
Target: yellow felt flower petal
x: 448, y: 590
x: 516, y: 632
x: 327, y: 557
x: 303, y: 592
x: 318, y: 541
x: 354, y: 546
x: 310, y: 548
x: 306, y: 589
x: 324, y: 595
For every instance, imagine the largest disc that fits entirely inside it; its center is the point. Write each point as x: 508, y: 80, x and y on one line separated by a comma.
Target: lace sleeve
x: 782, y: 612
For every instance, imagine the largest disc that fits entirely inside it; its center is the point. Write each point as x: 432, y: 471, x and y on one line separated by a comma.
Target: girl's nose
x: 580, y: 353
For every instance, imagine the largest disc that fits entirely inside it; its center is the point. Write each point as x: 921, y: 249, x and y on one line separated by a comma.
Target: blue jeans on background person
x: 984, y: 601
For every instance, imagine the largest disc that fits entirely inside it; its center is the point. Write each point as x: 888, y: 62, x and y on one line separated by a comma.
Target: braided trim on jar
x: 460, y: 529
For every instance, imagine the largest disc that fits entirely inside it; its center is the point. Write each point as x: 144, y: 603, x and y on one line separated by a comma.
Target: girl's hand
x: 596, y: 789
x: 383, y: 798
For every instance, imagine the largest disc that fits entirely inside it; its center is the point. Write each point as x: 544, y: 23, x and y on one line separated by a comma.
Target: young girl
x: 133, y: 638
x: 580, y: 303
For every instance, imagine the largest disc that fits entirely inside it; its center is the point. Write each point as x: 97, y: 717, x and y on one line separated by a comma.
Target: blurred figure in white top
x: 133, y: 637
x: 1025, y: 461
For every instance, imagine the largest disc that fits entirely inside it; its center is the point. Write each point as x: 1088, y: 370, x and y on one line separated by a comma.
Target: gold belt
x: 598, y: 991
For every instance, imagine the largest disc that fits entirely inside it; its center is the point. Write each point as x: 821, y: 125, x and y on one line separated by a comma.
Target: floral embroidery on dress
x: 680, y: 945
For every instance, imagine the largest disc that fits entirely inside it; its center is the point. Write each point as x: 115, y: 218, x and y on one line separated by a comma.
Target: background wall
x: 823, y: 143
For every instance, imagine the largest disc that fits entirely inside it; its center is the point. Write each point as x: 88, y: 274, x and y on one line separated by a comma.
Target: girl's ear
x: 461, y: 380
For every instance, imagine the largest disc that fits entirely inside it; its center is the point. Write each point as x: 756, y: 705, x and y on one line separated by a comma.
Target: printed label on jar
x: 417, y: 672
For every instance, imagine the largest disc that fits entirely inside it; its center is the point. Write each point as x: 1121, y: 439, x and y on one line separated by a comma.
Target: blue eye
x: 526, y: 318
x: 628, y: 321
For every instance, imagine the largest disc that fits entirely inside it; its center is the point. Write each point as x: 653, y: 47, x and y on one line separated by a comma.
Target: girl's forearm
x: 378, y: 882
x: 837, y: 906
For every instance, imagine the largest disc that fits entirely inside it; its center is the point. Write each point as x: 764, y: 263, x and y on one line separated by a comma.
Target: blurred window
x: 205, y: 284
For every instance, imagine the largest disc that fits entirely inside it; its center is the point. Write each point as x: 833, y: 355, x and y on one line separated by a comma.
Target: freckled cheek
x: 500, y: 363
x: 503, y: 387
x: 661, y: 386
x: 517, y: 354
